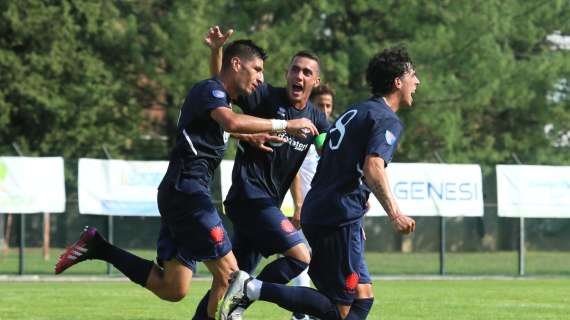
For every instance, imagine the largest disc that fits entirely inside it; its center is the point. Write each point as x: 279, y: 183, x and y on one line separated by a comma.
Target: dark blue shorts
x: 260, y: 228
x: 191, y: 229
x: 337, y: 265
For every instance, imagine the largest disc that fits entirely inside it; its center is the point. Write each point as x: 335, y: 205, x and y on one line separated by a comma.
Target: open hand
x: 215, y: 39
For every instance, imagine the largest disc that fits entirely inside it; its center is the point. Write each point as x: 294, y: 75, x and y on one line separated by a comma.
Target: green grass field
x: 437, y: 300
x: 477, y: 263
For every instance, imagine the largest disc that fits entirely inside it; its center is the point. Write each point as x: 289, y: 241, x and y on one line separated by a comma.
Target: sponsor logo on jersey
x: 217, y: 234
x: 218, y: 94
x: 390, y: 137
x: 351, y: 282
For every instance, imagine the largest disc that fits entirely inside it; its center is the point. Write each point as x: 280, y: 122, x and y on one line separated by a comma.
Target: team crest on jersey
x: 287, y: 226
x: 390, y: 137
x: 281, y: 112
x: 217, y: 234
x: 218, y: 94
x: 351, y: 282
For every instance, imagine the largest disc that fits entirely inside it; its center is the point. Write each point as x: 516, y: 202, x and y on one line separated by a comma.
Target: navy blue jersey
x: 338, y: 194
x: 258, y: 174
x: 200, y: 141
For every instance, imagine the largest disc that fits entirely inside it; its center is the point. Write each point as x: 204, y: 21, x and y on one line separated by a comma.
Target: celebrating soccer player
x: 358, y: 148
x: 191, y: 229
x: 261, y: 179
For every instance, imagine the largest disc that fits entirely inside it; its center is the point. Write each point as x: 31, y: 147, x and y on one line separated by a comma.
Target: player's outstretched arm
x: 241, y: 123
x: 297, y: 196
x: 215, y: 40
x: 377, y: 181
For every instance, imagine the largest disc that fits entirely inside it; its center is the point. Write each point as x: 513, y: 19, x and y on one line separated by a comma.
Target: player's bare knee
x: 364, y: 291
x: 175, y: 290
x: 299, y: 252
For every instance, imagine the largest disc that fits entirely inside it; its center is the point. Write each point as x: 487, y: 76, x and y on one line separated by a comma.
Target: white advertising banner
x: 429, y: 189
x: 421, y: 189
x: 118, y: 187
x: 533, y: 191
x: 32, y: 185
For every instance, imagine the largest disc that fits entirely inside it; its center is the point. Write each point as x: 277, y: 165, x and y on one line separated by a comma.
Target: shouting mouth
x: 297, y: 89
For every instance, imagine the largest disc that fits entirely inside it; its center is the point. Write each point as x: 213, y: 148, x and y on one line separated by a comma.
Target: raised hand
x: 215, y: 39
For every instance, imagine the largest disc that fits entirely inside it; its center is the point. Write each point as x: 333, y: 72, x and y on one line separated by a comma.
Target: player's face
x: 410, y: 82
x: 325, y: 103
x: 249, y: 75
x: 302, y: 77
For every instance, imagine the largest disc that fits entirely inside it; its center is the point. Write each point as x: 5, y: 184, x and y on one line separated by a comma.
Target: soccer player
x: 358, y: 148
x: 261, y: 179
x: 191, y: 229
x: 322, y: 97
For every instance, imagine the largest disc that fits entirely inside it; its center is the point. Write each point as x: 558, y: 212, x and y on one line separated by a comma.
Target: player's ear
x: 397, y: 83
x: 235, y: 62
x: 318, y: 82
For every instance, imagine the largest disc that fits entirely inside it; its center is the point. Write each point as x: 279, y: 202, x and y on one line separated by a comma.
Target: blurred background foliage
x: 106, y: 78
x: 79, y: 75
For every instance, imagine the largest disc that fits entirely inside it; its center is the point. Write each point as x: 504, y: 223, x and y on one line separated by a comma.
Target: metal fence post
x: 442, y: 231
x: 22, y: 225
x: 521, y: 248
x: 110, y: 224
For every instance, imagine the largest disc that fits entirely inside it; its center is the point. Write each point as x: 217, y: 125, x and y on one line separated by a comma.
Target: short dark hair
x: 243, y: 49
x: 386, y: 66
x: 309, y: 55
x: 321, y: 90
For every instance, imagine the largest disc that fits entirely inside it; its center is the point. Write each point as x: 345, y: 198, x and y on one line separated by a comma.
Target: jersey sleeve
x: 384, y: 137
x: 322, y: 123
x: 250, y: 103
x: 212, y: 96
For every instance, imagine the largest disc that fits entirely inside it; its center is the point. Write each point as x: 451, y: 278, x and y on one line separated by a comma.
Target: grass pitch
x: 379, y: 263
x: 476, y: 299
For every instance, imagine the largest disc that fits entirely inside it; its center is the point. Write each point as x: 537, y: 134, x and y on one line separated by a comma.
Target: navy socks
x: 360, y: 309
x: 312, y: 302
x: 202, y: 309
x: 300, y: 299
x: 135, y: 268
x: 282, y: 270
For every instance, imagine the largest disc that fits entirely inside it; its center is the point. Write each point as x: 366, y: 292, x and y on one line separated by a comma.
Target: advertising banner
x: 533, y: 191
x: 421, y: 189
x: 118, y: 187
x: 32, y: 185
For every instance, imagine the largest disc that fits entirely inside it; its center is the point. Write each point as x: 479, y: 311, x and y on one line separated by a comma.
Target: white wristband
x: 278, y: 125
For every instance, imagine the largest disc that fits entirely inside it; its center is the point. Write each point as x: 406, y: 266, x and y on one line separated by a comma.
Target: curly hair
x: 243, y: 49
x: 386, y: 66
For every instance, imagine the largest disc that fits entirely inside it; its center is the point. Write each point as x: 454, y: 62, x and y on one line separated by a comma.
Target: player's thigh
x: 335, y: 264
x: 191, y: 229
x: 177, y: 274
